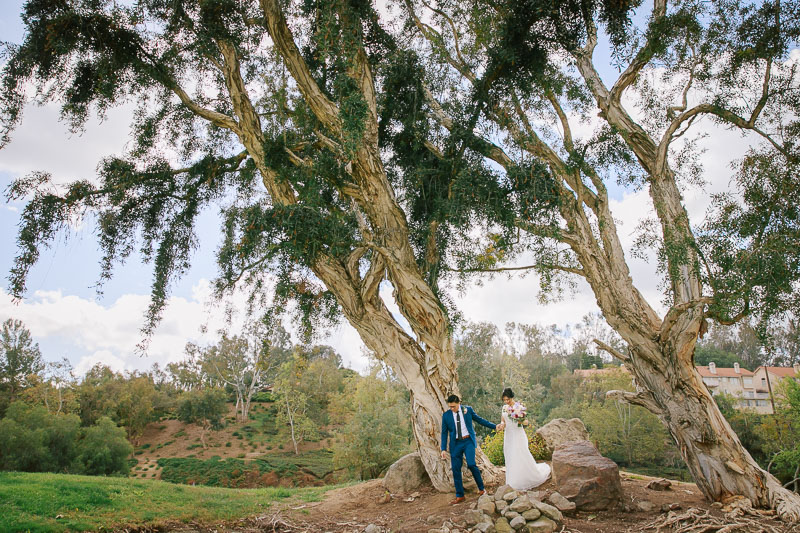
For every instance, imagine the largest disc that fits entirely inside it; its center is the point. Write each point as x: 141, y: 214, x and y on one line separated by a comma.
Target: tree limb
x: 641, y: 398
x: 616, y: 353
x: 324, y: 109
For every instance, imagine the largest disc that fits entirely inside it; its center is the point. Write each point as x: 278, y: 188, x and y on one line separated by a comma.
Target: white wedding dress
x: 522, y: 470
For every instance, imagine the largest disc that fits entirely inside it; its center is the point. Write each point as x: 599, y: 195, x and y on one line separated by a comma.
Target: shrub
x: 492, y: 446
x: 104, y: 449
x: 33, y: 440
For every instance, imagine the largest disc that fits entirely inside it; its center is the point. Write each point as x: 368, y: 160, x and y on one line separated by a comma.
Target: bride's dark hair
x: 507, y: 393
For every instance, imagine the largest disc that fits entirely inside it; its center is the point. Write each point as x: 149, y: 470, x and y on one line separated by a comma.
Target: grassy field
x: 60, y: 502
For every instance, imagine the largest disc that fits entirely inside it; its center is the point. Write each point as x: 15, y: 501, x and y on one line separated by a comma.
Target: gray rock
x: 560, y: 431
x: 645, y: 506
x: 549, y: 511
x: 432, y: 519
x: 372, y: 528
x: 510, y: 495
x: 501, y: 491
x: 486, y: 527
x: 517, y: 523
x: 406, y: 474
x: 561, y: 503
x: 585, y: 477
x: 486, y: 504
x: 511, y: 515
x: 537, y: 495
x: 500, y: 505
x: 542, y: 525
x: 532, y: 514
x: 670, y: 507
x: 502, y: 526
x: 659, y: 484
x: 520, y: 505
x: 473, y: 517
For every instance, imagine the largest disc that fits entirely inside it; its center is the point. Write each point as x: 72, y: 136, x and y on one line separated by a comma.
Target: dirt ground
x: 351, y: 509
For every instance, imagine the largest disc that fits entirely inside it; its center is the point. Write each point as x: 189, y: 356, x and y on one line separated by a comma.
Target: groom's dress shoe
x: 481, y: 493
x: 460, y: 499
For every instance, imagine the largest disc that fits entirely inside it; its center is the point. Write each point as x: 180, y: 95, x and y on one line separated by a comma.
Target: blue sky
x: 69, y: 319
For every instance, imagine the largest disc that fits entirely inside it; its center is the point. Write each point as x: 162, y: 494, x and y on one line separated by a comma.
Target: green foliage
x: 204, y: 407
x: 104, y: 449
x: 375, y: 429
x: 19, y: 359
x: 34, y: 440
x: 492, y: 446
x: 239, y: 473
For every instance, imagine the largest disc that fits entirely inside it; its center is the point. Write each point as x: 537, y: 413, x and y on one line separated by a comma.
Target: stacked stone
x: 510, y: 511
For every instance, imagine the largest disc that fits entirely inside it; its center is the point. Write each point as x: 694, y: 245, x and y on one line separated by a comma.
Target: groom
x: 457, y: 425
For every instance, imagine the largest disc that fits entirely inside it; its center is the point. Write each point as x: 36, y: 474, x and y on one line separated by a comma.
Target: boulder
x: 542, y: 525
x: 486, y: 504
x: 473, y: 516
x: 517, y: 523
x: 585, y: 477
x: 549, y: 511
x: 500, y: 505
x: 560, y: 431
x: 659, y: 484
x: 532, y: 514
x: 520, y: 505
x: 510, y: 495
x: 502, y: 526
x: 406, y: 474
x: 561, y: 503
x: 501, y: 491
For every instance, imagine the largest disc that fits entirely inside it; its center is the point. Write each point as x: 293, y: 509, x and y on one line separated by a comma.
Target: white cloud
x: 42, y: 142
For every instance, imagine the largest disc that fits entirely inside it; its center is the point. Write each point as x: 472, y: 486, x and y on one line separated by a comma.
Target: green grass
x: 31, y: 502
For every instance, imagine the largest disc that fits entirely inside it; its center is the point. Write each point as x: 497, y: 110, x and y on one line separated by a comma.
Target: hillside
x: 239, y: 443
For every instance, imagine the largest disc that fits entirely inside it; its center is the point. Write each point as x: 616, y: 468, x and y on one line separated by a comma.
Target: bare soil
x: 351, y: 509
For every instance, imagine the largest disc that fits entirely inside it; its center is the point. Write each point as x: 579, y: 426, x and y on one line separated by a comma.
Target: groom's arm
x: 482, y: 421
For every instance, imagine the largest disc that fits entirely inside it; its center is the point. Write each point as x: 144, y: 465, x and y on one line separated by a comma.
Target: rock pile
x: 509, y: 511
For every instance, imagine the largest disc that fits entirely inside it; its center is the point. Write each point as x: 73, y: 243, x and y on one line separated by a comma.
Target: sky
x: 69, y: 318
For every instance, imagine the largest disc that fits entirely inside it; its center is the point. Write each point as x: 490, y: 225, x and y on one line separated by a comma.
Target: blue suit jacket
x: 467, y: 415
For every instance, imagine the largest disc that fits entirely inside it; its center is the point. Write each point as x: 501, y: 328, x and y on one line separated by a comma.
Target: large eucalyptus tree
x: 517, y: 79
x: 286, y: 115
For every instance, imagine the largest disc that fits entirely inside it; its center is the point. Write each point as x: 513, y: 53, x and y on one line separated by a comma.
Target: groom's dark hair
x: 453, y: 399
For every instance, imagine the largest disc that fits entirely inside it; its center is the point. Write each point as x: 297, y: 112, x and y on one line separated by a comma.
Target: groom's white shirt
x: 456, y: 415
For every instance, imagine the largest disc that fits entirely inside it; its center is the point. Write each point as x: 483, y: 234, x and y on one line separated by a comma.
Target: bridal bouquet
x: 517, y: 413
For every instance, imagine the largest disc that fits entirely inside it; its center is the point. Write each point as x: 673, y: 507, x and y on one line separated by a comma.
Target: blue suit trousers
x: 458, y: 450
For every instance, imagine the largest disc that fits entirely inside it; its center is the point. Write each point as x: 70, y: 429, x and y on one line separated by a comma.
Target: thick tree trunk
x: 669, y: 386
x: 430, y: 376
x: 720, y: 465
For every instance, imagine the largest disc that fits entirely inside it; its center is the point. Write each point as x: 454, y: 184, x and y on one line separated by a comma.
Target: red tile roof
x: 781, y: 371
x: 723, y: 372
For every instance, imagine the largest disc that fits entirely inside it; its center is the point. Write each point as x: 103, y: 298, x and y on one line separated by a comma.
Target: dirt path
x: 351, y: 509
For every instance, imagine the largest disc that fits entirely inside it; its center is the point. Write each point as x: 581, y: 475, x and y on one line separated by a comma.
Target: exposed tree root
x: 696, y: 520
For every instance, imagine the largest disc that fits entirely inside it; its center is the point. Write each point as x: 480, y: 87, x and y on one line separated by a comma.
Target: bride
x: 522, y: 471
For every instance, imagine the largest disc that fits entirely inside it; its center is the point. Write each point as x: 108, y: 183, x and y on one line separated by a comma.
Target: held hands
x: 500, y: 427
